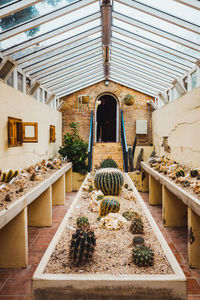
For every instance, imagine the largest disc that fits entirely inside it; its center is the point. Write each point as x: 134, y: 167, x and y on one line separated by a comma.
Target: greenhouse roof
x: 67, y: 45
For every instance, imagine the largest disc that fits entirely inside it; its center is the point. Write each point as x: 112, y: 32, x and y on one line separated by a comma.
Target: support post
x: 14, y: 242
x: 193, y: 239
x: 68, y: 181
x: 40, y: 210
x: 174, y: 211
x: 144, y: 181
x: 155, y: 191
x: 58, y: 191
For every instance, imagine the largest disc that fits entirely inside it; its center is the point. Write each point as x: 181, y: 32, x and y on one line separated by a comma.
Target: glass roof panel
x: 4, y: 2
x: 153, y: 21
x: 176, y: 9
x: 40, y: 9
x: 155, y: 38
x: 149, y: 48
x: 54, y: 24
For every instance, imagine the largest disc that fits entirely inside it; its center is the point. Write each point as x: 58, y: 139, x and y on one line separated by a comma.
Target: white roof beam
x: 69, y: 68
x: 80, y: 80
x: 182, y: 65
x: 156, y: 31
x: 7, y: 66
x: 132, y: 86
x: 11, y: 8
x: 163, y: 98
x: 50, y: 98
x: 142, y: 67
x: 136, y: 83
x: 50, y: 34
x: 179, y: 87
x: 140, y: 74
x: 154, y: 44
x: 80, y: 86
x: 161, y: 15
x: 191, y: 3
x: 150, y: 59
x: 77, y: 77
x: 73, y: 74
x: 64, y: 54
x: 147, y: 62
x: 44, y: 19
x: 70, y: 42
x: 96, y: 51
x: 34, y: 88
x: 60, y: 104
x: 152, y: 103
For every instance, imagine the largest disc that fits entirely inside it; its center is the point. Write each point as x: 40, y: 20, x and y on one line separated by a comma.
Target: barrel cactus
x: 137, y: 226
x: 82, y: 246
x: 109, y: 204
x: 82, y: 222
x: 108, y: 163
x: 9, y: 176
x: 194, y: 173
x: 180, y: 173
x: 129, y: 215
x: 143, y: 256
x: 109, y: 181
x: 138, y: 240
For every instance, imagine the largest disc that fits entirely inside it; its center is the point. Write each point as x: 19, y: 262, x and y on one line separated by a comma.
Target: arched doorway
x: 106, y: 118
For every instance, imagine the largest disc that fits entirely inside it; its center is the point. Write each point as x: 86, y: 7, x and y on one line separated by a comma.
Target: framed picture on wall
x: 52, y: 134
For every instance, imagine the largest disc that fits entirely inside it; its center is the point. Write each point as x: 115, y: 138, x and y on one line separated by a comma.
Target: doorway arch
x: 111, y: 115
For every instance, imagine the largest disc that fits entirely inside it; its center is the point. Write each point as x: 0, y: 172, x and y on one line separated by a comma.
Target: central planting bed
x: 112, y: 271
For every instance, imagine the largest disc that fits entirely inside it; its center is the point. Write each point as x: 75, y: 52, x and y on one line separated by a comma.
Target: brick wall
x: 140, y: 110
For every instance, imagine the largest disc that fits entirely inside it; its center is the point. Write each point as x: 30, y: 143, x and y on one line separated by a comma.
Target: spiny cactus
x: 91, y: 188
x: 180, y: 173
x: 99, y: 197
x: 143, y: 256
x: 130, y: 159
x: 186, y: 183
x: 3, y: 178
x: 108, y: 163
x: 139, y: 159
x: 9, y: 176
x: 15, y: 174
x: 82, y: 246
x: 109, y: 204
x: 82, y: 222
x: 129, y: 215
x: 194, y: 173
x: 109, y: 181
x: 137, y: 226
x: 138, y: 240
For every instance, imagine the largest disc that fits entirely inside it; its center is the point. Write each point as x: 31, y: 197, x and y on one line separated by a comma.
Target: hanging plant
x: 129, y: 100
x: 85, y: 99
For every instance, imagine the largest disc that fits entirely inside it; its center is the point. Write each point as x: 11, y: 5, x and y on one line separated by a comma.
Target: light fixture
x: 106, y: 82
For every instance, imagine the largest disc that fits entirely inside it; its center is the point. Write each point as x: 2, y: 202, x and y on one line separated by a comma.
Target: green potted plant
x: 129, y: 100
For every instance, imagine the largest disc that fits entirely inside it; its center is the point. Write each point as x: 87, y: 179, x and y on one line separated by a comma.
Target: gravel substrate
x: 113, y: 252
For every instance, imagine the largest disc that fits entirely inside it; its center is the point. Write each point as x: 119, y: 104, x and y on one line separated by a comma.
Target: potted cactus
x: 129, y: 100
x: 85, y: 99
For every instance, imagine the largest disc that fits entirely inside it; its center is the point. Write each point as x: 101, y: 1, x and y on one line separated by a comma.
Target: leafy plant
x: 75, y: 149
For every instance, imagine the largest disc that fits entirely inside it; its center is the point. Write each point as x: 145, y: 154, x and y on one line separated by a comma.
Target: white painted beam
x: 50, y: 98
x: 34, y: 88
x: 191, y: 3
x: 44, y: 19
x: 152, y: 103
x: 6, y: 68
x: 179, y: 87
x: 163, y: 98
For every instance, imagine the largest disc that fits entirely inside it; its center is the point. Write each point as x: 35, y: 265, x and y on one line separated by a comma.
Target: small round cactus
x: 129, y: 215
x: 143, y: 256
x: 137, y: 226
x: 138, y: 240
x: 108, y: 163
x: 82, y: 222
x: 180, y: 173
x: 109, y: 204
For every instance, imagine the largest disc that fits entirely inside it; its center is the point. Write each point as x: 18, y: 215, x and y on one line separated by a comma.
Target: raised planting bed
x: 111, y: 274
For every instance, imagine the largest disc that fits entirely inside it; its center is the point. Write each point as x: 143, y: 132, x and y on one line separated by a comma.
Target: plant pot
x: 85, y: 99
x: 129, y: 100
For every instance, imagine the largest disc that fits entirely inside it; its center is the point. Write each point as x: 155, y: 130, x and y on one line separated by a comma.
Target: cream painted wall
x: 180, y: 121
x: 15, y: 104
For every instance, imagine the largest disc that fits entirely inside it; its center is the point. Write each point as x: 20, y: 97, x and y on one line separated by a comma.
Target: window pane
x: 20, y: 81
x: 194, y: 80
x: 10, y: 80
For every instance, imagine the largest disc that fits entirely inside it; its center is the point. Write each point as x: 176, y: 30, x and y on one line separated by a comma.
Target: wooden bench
x: 179, y: 208
x: 32, y: 209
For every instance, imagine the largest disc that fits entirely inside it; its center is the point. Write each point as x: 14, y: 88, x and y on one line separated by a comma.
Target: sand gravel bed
x: 113, y: 250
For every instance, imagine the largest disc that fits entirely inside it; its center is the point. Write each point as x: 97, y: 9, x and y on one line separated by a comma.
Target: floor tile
x: 16, y: 287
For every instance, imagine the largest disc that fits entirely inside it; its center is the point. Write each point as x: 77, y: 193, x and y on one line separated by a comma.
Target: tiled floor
x: 16, y: 284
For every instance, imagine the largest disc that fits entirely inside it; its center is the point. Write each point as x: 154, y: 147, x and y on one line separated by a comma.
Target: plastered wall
x: 140, y: 110
x: 180, y: 121
x: 15, y: 104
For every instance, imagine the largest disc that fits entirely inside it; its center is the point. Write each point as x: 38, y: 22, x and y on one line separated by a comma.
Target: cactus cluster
x: 129, y: 215
x: 82, y: 246
x: 194, y: 173
x: 109, y: 204
x: 109, y: 181
x: 82, y: 222
x: 180, y: 173
x: 108, y: 163
x: 7, y: 177
x: 143, y: 256
x: 137, y: 226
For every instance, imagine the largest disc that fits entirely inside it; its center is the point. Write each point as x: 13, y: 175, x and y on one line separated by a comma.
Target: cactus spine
x: 109, y: 204
x: 109, y: 181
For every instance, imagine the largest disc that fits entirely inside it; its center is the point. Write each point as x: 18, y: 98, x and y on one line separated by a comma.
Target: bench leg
x: 174, y: 211
x: 155, y: 191
x: 68, y: 181
x: 40, y: 210
x: 14, y: 242
x: 193, y: 239
x: 58, y: 191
